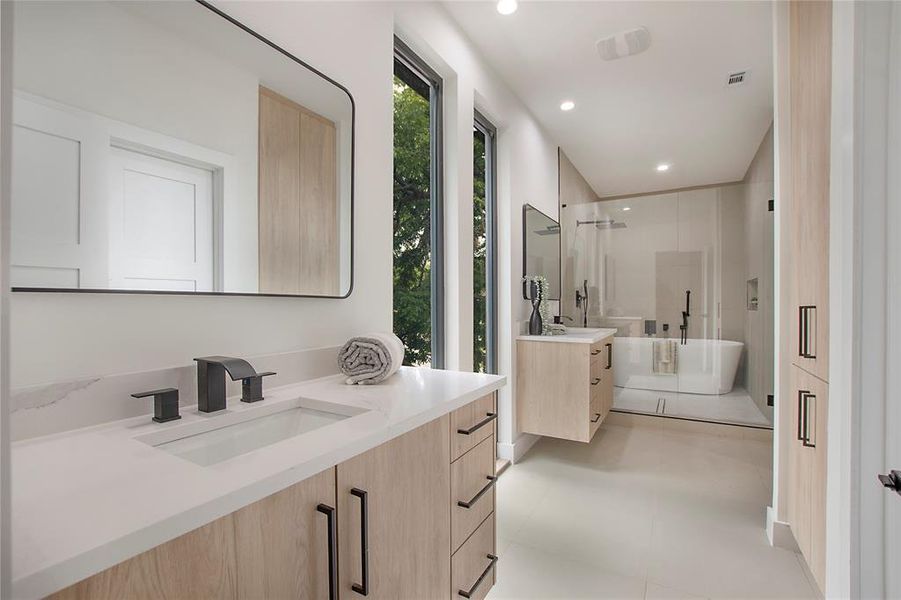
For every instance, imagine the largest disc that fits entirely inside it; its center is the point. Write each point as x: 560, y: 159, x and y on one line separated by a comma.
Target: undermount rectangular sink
x: 232, y: 434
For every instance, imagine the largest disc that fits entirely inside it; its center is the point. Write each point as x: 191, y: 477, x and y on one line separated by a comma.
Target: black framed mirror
x: 166, y: 148
x: 540, y: 249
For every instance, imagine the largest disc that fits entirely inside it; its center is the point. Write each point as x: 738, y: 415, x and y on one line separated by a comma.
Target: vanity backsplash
x: 56, y: 407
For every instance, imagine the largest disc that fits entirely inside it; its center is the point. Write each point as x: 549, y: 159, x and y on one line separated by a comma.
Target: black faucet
x: 683, y: 328
x: 211, y: 379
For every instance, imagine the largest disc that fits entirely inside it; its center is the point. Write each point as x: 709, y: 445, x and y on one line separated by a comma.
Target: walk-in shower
x: 670, y: 273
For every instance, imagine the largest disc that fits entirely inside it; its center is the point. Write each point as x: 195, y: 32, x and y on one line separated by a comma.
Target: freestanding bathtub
x: 702, y: 366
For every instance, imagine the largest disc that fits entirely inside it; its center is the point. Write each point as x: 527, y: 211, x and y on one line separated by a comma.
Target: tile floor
x: 734, y: 407
x: 641, y: 512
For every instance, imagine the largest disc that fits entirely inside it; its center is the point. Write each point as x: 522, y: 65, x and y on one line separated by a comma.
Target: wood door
x: 817, y: 410
x: 810, y: 77
x: 404, y: 486
x: 298, y: 199
x: 282, y: 542
x: 199, y: 565
x: 799, y: 472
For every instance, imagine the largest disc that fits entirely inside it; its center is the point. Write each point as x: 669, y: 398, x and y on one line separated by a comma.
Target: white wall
x: 57, y: 337
x: 527, y: 173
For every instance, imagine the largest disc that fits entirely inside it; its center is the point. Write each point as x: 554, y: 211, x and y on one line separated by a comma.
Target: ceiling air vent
x: 737, y: 78
x: 625, y: 43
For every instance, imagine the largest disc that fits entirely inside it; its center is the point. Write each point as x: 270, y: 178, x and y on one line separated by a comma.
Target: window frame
x: 488, y: 129
x: 406, y: 56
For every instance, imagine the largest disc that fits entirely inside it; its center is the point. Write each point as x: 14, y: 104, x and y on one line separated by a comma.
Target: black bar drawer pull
x: 468, y: 593
x: 364, y: 541
x: 329, y: 513
x: 609, y: 356
x: 597, y: 417
x: 595, y: 381
x: 482, y: 492
x: 489, y: 418
x: 595, y: 352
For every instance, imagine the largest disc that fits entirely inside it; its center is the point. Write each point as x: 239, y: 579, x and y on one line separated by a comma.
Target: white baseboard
x: 779, y: 533
x: 515, y: 451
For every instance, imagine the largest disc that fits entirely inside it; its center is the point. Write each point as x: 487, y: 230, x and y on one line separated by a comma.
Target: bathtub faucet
x: 683, y: 328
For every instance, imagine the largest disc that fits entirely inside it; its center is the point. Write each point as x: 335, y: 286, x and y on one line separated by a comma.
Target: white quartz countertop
x: 573, y: 335
x: 85, y: 500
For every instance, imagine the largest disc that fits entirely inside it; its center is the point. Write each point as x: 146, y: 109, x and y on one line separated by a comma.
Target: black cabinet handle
x: 595, y: 381
x: 597, y: 417
x: 329, y: 513
x: 801, y: 394
x: 482, y: 492
x: 489, y: 418
x: 595, y: 352
x: 804, y: 313
x: 609, y: 356
x: 468, y: 593
x: 807, y: 439
x: 363, y: 589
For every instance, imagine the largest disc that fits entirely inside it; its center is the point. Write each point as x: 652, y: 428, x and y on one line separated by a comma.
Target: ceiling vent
x: 737, y: 78
x: 625, y: 43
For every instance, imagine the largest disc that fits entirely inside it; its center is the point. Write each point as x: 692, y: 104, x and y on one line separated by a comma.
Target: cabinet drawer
x: 473, y: 565
x: 472, y: 490
x: 471, y: 424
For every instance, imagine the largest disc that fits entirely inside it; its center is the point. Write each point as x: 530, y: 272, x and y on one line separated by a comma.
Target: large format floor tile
x: 642, y: 513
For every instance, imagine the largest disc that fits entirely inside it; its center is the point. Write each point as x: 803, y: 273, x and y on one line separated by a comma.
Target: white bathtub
x: 702, y: 366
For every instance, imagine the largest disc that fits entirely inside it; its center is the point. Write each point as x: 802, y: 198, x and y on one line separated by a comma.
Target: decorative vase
x: 535, y: 324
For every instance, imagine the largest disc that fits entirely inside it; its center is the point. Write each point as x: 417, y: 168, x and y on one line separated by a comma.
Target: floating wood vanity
x: 564, y: 383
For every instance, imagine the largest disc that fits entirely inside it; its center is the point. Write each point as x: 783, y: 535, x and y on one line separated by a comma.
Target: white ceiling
x: 669, y: 104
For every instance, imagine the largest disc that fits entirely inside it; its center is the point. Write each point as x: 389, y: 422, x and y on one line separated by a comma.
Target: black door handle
x: 489, y: 418
x: 363, y: 589
x: 801, y: 394
x: 597, y: 417
x: 595, y: 381
x: 468, y: 593
x: 329, y: 513
x: 807, y: 440
x: 609, y: 356
x: 482, y: 492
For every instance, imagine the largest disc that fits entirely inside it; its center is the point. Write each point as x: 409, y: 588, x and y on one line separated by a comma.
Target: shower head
x: 603, y: 224
x: 549, y: 230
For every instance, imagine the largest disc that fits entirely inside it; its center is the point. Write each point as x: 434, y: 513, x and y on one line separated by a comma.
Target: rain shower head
x: 603, y: 224
x: 549, y: 230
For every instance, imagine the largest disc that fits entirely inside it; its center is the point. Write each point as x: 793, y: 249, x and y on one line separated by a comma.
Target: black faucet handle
x: 165, y: 404
x: 252, y: 387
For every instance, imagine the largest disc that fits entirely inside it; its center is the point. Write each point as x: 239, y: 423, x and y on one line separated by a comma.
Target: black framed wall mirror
x: 163, y: 147
x: 540, y: 249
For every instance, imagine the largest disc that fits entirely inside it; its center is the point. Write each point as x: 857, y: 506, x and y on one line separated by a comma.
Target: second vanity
x: 386, y: 491
x: 564, y: 383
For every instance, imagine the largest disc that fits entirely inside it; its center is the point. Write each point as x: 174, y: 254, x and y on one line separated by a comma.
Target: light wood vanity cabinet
x: 564, y: 389
x: 807, y: 268
x: 394, y: 511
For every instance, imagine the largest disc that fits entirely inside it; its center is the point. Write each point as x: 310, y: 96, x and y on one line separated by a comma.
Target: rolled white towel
x: 371, y: 358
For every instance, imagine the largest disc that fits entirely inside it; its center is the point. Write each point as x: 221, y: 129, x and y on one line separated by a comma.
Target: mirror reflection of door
x: 298, y: 214
x: 161, y: 224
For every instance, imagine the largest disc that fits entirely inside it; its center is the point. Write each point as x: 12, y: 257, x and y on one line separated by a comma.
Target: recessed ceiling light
x: 567, y: 105
x: 507, y: 7
x: 627, y: 208
x: 663, y: 167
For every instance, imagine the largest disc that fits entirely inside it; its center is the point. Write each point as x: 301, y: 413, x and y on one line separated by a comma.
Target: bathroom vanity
x: 564, y: 383
x: 321, y: 490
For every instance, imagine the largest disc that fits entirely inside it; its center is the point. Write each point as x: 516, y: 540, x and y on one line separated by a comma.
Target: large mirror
x: 163, y: 147
x: 541, y: 249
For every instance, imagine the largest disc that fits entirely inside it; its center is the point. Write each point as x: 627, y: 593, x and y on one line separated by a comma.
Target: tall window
x: 418, y: 225
x: 484, y: 229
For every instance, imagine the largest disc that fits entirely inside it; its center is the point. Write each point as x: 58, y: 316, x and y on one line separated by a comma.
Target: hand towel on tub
x: 371, y: 358
x: 664, y: 357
